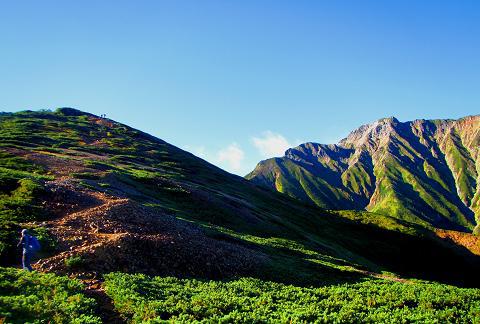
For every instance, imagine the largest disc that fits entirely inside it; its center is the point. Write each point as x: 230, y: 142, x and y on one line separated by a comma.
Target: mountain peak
x: 423, y: 170
x: 388, y: 120
x: 68, y: 111
x: 374, y: 132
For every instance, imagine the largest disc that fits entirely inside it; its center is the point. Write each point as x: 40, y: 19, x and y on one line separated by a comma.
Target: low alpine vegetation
x: 74, y: 262
x: 20, y: 186
x: 43, y: 298
x: 246, y: 300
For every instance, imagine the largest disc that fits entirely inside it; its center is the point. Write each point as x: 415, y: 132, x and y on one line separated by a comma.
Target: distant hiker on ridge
x: 30, y: 245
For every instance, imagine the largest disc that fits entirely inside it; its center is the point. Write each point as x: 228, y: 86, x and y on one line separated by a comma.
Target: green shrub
x: 43, y: 298
x: 18, y: 198
x: 248, y: 300
x: 47, y: 242
x: 74, y: 262
x: 19, y: 192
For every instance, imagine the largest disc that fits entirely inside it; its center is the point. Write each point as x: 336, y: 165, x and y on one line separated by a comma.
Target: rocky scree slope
x: 424, y: 171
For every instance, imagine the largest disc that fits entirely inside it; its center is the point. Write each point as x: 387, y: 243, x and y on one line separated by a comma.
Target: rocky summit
x: 423, y: 171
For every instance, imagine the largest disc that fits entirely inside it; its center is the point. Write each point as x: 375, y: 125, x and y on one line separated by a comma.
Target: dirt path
x: 79, y: 232
x: 106, y: 309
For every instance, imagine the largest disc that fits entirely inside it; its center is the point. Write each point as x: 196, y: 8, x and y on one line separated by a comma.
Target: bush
x: 74, y: 262
x: 43, y: 298
x: 248, y: 300
x: 47, y: 242
x: 18, y: 204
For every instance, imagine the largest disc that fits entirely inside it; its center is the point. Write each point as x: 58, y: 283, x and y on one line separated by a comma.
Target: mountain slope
x: 424, y: 171
x: 107, y: 197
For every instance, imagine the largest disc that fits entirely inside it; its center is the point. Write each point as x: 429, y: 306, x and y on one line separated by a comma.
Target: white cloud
x: 232, y: 155
x: 271, y: 144
x: 229, y: 158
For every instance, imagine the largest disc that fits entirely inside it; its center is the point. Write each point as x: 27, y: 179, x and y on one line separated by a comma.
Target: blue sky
x: 238, y: 81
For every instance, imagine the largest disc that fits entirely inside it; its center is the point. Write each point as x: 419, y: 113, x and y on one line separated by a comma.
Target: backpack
x: 33, y: 244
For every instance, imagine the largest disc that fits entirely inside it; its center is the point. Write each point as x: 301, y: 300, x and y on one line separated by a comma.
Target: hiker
x: 30, y: 246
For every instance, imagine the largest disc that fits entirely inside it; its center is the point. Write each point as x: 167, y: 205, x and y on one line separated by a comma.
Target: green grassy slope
x: 423, y: 171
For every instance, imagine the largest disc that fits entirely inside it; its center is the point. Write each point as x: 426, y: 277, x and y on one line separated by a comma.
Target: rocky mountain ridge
x: 426, y: 171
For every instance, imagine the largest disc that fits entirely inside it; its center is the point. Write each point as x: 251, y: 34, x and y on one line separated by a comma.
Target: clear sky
x: 238, y: 81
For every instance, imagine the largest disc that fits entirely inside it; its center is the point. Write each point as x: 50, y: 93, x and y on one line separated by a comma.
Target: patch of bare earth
x: 118, y: 234
x: 383, y: 276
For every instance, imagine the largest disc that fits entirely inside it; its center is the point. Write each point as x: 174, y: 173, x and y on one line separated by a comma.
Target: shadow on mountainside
x: 107, y: 233
x: 423, y: 257
x: 118, y: 234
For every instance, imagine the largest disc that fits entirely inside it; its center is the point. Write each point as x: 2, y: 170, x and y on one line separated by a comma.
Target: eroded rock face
x: 426, y: 168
